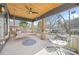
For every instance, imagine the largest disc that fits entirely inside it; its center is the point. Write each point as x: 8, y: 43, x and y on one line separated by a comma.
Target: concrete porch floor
x: 15, y: 47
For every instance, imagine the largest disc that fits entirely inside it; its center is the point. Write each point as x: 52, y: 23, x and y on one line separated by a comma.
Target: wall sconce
x: 2, y: 9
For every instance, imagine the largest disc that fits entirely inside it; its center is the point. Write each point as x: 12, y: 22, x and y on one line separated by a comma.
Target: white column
x: 32, y: 27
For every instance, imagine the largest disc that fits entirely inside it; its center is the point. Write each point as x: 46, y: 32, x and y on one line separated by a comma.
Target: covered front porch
x: 32, y: 29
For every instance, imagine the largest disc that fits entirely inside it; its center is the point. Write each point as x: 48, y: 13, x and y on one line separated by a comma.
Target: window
x: 3, y: 26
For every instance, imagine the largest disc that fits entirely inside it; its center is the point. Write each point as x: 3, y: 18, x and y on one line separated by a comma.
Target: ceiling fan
x: 30, y: 10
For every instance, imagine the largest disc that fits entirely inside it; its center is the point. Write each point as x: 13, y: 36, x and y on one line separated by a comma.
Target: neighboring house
x: 75, y: 31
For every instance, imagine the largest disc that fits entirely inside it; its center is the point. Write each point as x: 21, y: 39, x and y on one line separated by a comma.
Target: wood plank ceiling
x: 22, y: 11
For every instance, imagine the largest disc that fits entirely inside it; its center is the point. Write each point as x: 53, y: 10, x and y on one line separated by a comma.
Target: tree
x: 52, y: 21
x: 23, y: 24
x: 64, y: 25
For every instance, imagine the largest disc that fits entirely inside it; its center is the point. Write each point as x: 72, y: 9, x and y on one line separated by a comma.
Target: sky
x: 66, y: 13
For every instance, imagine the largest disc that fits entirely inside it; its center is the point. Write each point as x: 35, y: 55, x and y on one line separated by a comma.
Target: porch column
x: 43, y: 36
x: 14, y: 25
x: 32, y: 27
x: 8, y: 19
x: 14, y: 20
x: 42, y: 24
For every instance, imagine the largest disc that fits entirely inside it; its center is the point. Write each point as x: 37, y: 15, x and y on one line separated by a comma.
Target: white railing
x: 74, y: 43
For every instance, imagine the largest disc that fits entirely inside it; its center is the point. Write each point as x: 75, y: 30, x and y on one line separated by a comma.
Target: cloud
x: 71, y: 16
x: 75, y: 15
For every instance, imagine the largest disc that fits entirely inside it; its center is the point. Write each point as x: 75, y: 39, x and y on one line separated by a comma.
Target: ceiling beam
x: 20, y: 18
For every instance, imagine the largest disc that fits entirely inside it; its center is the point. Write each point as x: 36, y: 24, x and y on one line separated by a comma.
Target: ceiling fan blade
x: 35, y: 12
x: 27, y: 7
